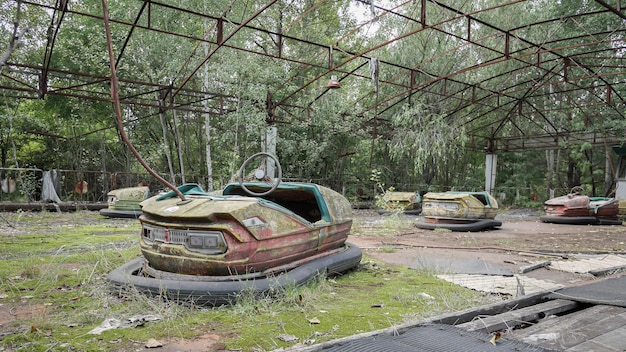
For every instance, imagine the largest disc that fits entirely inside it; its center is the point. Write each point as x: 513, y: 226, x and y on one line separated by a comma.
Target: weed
x: 53, y: 279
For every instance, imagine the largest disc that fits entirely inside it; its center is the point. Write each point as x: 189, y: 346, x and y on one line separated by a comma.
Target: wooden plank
x: 611, y: 341
x: 456, y: 318
x: 561, y: 332
x: 518, y: 317
x: 608, y: 271
x: 535, y: 266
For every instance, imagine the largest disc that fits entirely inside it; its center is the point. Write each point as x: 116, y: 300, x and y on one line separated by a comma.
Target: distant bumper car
x: 622, y: 208
x: 459, y: 211
x: 124, y: 202
x: 409, y: 203
x: 578, y: 209
x: 254, y: 236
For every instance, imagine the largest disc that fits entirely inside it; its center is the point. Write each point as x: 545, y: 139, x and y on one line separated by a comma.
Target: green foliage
x: 426, y: 137
x: 417, y: 144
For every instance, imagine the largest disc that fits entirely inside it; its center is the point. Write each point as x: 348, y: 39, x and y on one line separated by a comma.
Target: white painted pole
x: 490, y: 172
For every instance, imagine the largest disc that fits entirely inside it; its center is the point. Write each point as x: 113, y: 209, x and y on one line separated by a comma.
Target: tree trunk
x: 166, y: 143
x: 550, y: 177
x: 179, y: 148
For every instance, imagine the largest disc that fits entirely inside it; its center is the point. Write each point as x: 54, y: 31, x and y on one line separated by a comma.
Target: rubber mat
x: 434, y: 338
x: 609, y: 292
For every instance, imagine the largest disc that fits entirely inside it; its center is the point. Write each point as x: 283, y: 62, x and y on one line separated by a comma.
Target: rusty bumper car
x: 409, y: 203
x: 257, y: 237
x: 579, y: 209
x: 459, y: 211
x: 124, y: 202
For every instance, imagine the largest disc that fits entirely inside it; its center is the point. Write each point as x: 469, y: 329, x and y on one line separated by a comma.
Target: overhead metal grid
x: 481, y: 66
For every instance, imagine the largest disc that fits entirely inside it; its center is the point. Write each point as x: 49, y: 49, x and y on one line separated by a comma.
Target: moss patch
x: 53, y: 292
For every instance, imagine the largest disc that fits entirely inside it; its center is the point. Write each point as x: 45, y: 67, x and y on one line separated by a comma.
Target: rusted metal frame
x: 611, y: 8
x: 423, y: 91
x: 27, y: 90
x: 392, y: 10
x: 578, y: 106
x: 406, y: 94
x: 476, y: 131
x: 147, y: 28
x: 489, y: 97
x: 559, y: 19
x: 19, y: 82
x: 354, y: 56
x: 219, y: 45
x: 52, y: 36
x: 133, y: 103
x: 302, y: 15
x: 118, y: 112
x: 480, y: 116
x: 544, y: 111
x: 126, y: 100
x: 437, y: 79
x: 602, y: 58
x: 593, y: 35
x: 219, y: 28
x: 327, y: 89
x: 362, y: 54
x: 575, y: 89
x: 555, y: 51
x: 468, y: 16
x: 130, y: 33
x: 112, y: 21
x: 475, y: 42
x: 323, y: 46
x: 519, y: 100
x: 526, y: 26
x: 53, y: 91
x: 93, y: 95
x: 525, y: 90
x: 488, y: 48
x: 558, y: 57
x: 101, y: 79
x: 461, y: 38
x: 184, y: 36
x: 434, y: 27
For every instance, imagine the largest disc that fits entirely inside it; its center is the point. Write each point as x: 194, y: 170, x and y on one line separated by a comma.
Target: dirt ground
x: 521, y: 240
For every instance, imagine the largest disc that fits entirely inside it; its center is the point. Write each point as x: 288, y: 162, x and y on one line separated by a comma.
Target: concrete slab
x: 515, y: 286
x: 584, y: 266
x: 459, y: 266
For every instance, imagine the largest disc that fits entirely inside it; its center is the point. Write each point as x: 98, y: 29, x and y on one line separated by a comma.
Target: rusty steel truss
x: 512, y: 83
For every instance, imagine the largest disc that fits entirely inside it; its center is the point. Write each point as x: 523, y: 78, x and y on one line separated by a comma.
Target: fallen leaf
x: 314, y: 321
x: 495, y: 337
x: 287, y: 337
x: 426, y: 295
x: 152, y: 343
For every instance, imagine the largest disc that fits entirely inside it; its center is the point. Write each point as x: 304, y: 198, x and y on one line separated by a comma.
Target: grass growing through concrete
x: 53, y: 293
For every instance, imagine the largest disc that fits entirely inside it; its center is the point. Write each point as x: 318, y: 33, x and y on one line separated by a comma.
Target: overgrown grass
x: 53, y: 288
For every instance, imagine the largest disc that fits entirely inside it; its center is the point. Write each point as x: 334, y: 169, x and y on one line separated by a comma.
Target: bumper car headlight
x: 206, y: 242
x: 112, y: 200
